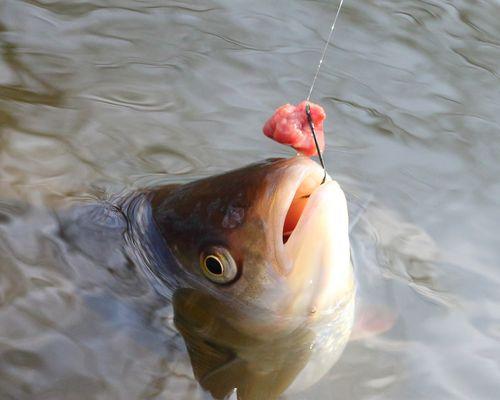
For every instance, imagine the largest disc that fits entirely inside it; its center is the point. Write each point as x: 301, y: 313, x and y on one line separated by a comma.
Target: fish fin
x: 258, y: 385
x: 222, y: 380
x: 252, y: 382
x: 223, y: 358
x: 372, y: 321
x: 271, y: 372
x: 220, y: 371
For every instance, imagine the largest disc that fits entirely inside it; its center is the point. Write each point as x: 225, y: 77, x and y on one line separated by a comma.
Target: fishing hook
x: 311, y: 125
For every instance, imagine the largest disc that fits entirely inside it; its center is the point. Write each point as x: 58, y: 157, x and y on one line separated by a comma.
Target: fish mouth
x: 311, y: 236
x: 307, y: 185
x: 302, y: 177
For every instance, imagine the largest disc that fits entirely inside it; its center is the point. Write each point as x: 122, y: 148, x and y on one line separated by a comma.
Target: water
x: 97, y: 96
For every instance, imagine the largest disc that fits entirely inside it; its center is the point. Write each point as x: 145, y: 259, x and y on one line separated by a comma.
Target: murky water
x: 100, y: 96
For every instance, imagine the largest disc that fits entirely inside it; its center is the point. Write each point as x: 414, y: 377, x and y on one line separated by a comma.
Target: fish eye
x: 214, y: 265
x: 218, y: 265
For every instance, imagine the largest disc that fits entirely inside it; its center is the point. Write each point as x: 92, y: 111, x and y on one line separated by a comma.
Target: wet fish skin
x: 229, y: 329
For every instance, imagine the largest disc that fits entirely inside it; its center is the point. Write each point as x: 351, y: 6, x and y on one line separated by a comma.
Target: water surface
x: 101, y: 96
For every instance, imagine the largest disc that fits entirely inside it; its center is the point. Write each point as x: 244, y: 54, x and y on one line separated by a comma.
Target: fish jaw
x: 317, y: 253
x: 321, y: 277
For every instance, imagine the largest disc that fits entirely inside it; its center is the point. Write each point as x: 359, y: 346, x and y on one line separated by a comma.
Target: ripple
x: 104, y: 96
x: 134, y: 101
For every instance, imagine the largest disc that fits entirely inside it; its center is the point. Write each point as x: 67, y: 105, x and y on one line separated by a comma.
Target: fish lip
x: 298, y: 169
x: 315, y: 261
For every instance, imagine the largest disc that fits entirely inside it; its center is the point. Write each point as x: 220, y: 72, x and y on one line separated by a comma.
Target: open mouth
x: 308, y: 182
x: 310, y: 217
x: 301, y: 196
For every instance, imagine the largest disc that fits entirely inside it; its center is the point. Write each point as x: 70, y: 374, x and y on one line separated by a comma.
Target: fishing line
x: 323, y: 54
x: 308, y: 110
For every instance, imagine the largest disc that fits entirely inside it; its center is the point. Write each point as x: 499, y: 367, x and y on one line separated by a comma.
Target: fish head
x: 267, y: 243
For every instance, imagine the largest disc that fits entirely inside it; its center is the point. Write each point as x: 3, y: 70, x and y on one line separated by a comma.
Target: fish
x: 254, y: 265
x: 259, y: 267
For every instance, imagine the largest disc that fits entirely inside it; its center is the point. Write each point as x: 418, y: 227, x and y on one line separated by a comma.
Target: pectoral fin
x: 371, y: 321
